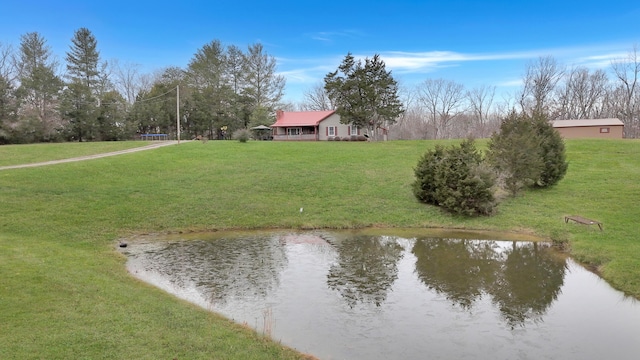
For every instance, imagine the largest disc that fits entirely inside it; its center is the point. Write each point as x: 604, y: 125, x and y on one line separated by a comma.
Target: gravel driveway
x: 95, y: 156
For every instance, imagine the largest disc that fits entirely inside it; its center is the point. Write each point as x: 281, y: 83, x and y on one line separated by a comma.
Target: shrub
x: 514, y: 153
x: 456, y: 180
x: 424, y: 188
x: 242, y: 135
x: 552, y: 153
x: 527, y: 151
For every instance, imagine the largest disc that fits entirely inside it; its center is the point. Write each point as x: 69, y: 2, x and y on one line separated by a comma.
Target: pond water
x: 345, y: 295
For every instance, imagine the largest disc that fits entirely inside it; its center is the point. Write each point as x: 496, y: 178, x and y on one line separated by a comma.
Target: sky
x: 475, y: 43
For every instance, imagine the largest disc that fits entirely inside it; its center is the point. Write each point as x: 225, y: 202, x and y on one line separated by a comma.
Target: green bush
x: 527, y: 151
x: 456, y: 180
x: 424, y: 188
x: 552, y: 153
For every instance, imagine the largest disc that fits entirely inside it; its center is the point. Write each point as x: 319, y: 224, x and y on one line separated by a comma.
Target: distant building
x: 311, y: 126
x: 590, y: 128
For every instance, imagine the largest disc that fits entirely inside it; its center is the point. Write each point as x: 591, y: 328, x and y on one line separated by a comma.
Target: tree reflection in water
x: 223, y: 269
x: 365, y: 269
x: 529, y: 281
x: 522, y: 280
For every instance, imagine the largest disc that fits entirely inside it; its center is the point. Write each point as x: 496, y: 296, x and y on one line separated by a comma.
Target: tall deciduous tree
x: 39, y: 89
x: 8, y: 103
x: 540, y: 81
x: 627, y: 92
x: 583, y: 94
x: 263, y: 85
x: 365, y: 95
x: 443, y: 101
x: 317, y: 99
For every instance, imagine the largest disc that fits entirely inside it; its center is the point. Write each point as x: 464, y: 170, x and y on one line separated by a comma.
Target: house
x: 590, y: 128
x: 311, y: 126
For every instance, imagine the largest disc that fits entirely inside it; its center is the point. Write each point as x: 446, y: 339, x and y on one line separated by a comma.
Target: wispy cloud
x: 328, y: 37
x: 497, y: 68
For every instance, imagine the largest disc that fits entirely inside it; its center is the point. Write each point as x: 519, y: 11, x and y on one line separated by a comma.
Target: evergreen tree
x: 83, y: 59
x: 38, y: 92
x: 552, y: 152
x: 515, y: 152
x: 365, y: 95
x: 8, y: 110
x: 84, y: 86
x: 424, y: 188
x: 456, y: 180
x: 212, y: 99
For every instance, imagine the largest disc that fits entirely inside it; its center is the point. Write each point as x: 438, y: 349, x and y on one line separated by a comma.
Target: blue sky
x: 471, y: 42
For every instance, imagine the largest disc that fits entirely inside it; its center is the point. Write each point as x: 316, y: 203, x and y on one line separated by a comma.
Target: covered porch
x: 295, y: 133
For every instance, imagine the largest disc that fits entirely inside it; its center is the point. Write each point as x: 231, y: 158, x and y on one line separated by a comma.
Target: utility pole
x: 178, y: 112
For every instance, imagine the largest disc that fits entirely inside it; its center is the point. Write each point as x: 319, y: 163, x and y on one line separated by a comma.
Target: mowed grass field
x: 65, y: 292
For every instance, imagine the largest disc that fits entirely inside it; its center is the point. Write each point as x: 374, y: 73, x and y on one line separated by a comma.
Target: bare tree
x: 127, y: 79
x: 627, y: 71
x: 443, y: 102
x: 317, y: 99
x: 539, y: 84
x: 481, y: 106
x: 7, y: 68
x: 582, y: 95
x: 264, y: 86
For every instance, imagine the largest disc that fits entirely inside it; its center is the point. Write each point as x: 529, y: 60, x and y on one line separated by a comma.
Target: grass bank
x: 66, y: 294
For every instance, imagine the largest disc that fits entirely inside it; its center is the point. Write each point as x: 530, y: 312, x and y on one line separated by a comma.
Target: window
x: 331, y: 131
x: 353, y: 130
x: 293, y: 131
x: 604, y: 130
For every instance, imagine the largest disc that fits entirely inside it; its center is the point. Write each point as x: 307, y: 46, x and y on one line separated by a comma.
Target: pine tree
x: 81, y: 96
x: 83, y: 59
x: 552, y: 152
x: 515, y: 152
x: 366, y: 95
x: 38, y: 90
x: 455, y: 179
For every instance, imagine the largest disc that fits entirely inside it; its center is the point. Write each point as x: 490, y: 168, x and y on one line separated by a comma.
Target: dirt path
x: 94, y: 156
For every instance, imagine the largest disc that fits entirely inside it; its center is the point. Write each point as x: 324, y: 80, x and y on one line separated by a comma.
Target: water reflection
x: 366, y: 268
x: 221, y: 270
x: 353, y: 296
x: 523, y: 279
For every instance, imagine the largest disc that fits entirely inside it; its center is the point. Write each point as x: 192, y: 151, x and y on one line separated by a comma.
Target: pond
x: 349, y: 295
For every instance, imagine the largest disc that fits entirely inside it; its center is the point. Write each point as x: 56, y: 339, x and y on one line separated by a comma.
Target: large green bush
x: 424, y: 188
x: 552, y: 152
x: 527, y: 151
x: 456, y: 180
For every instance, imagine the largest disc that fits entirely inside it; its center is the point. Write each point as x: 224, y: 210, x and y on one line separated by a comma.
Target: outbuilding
x: 590, y: 128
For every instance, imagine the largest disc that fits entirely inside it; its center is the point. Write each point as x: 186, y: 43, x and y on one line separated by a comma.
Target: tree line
x: 88, y: 99
x: 226, y: 88
x: 441, y: 108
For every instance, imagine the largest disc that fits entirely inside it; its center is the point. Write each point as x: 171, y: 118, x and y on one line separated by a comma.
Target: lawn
x: 66, y: 293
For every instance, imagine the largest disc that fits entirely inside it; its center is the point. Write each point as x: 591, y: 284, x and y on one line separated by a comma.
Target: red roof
x: 300, y: 118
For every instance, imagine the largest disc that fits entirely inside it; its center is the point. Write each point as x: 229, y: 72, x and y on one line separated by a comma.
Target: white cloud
x: 499, y: 68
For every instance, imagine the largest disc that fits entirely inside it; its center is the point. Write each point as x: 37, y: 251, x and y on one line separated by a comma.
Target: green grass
x: 65, y: 293
x: 32, y: 153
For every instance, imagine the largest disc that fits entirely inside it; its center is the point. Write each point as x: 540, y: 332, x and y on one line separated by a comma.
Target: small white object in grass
x: 301, y: 210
